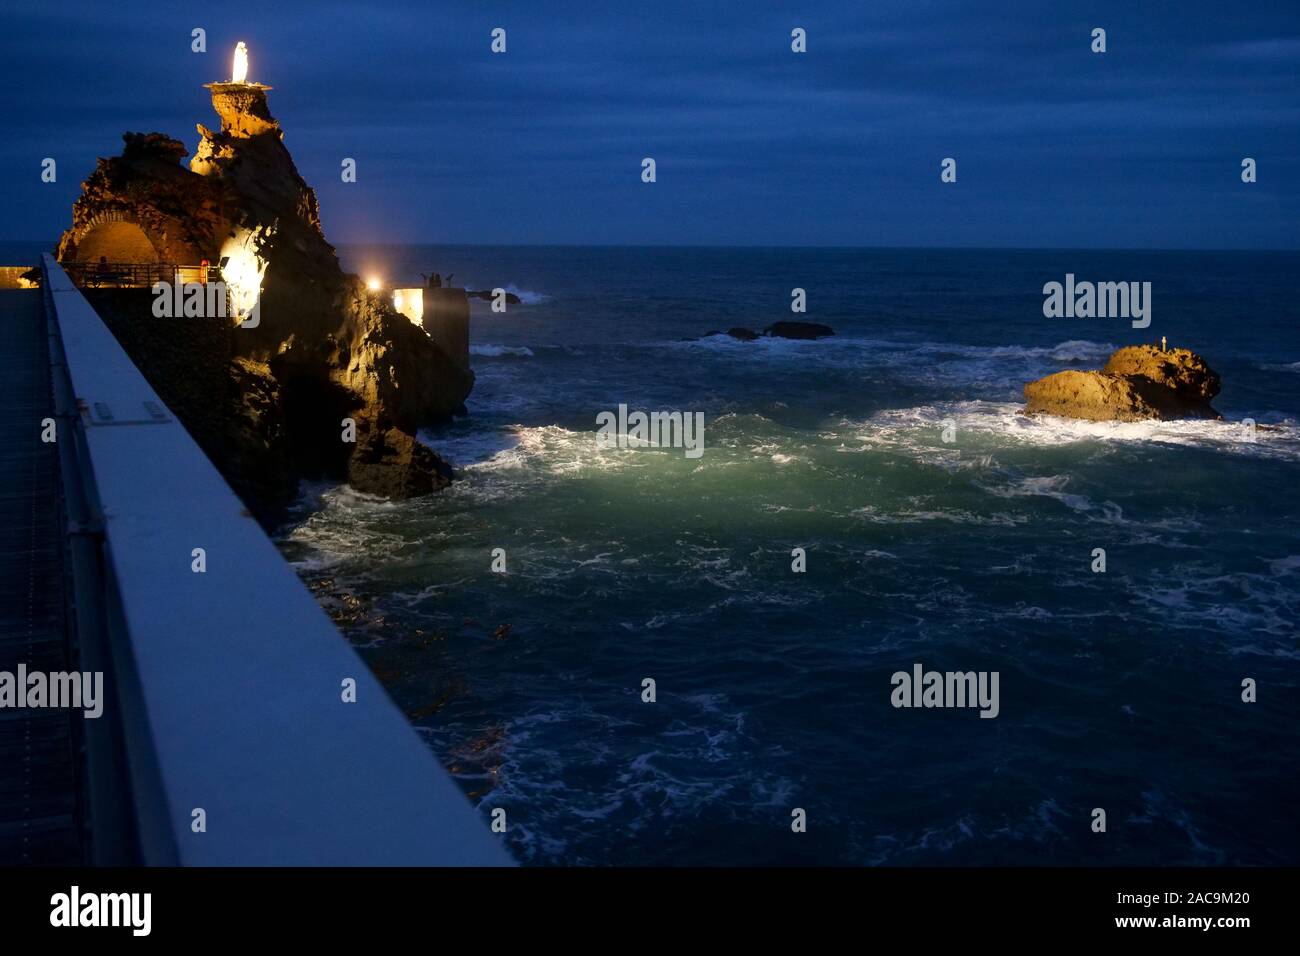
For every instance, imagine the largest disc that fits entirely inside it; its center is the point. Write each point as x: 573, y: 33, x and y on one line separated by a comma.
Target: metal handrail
x: 136, y: 275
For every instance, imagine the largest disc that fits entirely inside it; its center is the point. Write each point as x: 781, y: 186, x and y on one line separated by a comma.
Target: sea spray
x: 654, y: 429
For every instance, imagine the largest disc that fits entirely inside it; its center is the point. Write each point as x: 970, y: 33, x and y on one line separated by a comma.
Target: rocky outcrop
x: 146, y: 196
x: 487, y: 295
x: 780, y: 330
x: 1181, y: 371
x: 798, y: 330
x: 323, y: 348
x: 1138, y: 382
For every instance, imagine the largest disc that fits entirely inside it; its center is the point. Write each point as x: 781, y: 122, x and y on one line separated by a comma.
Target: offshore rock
x: 1181, y: 370
x: 1139, y: 382
x: 487, y: 296
x: 779, y: 330
x: 798, y: 330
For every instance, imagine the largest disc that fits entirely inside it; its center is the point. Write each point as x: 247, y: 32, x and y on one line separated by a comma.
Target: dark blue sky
x: 1056, y: 146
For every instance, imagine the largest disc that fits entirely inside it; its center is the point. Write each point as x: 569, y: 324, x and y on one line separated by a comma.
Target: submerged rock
x: 798, y: 330
x: 736, y: 332
x: 779, y: 330
x: 1138, y: 382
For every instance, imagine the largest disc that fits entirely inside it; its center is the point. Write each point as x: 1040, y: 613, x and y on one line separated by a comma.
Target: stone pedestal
x: 243, y: 108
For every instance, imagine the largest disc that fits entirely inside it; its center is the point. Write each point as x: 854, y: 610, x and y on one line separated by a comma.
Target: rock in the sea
x: 1138, y: 382
x: 487, y: 296
x: 780, y: 330
x: 268, y: 403
x: 1181, y: 370
x: 798, y: 330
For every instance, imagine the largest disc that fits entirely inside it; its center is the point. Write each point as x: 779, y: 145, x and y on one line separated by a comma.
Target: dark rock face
x: 325, y: 348
x: 231, y: 407
x: 1138, y: 382
x: 798, y: 330
x: 178, y: 212
x: 390, y: 462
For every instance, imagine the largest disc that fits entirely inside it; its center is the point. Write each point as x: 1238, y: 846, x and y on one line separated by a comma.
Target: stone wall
x: 446, y: 319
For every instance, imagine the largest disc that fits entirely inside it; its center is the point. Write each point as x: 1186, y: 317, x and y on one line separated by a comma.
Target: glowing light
x: 239, y: 69
x: 373, y: 284
x: 242, y: 273
x: 410, y: 303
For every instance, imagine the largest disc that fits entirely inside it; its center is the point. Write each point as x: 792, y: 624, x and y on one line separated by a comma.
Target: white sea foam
x: 527, y: 296
x: 1287, y: 565
x: 501, y: 351
x: 467, y: 448
x: 918, y: 429
x: 1236, y: 604
x: 1045, y: 486
x: 1072, y: 350
x: 904, y: 516
x: 332, y: 542
x: 986, y: 370
x: 513, y: 461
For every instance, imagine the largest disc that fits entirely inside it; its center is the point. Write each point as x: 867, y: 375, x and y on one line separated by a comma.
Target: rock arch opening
x: 116, y: 240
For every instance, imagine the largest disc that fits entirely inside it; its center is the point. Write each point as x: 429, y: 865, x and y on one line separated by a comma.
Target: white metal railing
x: 230, y: 680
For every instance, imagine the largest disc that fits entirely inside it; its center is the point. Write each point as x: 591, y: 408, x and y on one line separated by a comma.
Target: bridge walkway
x: 39, y: 796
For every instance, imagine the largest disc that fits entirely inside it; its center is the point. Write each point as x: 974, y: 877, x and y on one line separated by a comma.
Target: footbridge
x: 238, y: 726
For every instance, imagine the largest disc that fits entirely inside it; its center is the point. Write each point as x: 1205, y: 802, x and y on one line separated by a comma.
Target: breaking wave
x: 527, y: 296
x: 501, y: 351
x: 920, y: 428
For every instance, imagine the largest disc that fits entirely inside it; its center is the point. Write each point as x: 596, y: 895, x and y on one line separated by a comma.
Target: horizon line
x: 759, y: 246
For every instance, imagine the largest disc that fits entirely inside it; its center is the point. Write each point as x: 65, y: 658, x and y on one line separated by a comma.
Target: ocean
x: 1119, y: 690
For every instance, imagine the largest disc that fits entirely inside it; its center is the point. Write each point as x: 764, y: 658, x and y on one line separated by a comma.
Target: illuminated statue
x: 239, y: 71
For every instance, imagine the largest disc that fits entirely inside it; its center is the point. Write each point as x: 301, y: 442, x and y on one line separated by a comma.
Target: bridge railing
x: 241, y: 728
x: 135, y: 275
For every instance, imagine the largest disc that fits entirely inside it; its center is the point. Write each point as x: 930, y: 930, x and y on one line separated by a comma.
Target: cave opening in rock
x: 314, y: 409
x: 116, y: 241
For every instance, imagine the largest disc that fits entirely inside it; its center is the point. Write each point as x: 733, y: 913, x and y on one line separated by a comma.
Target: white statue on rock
x: 239, y: 70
